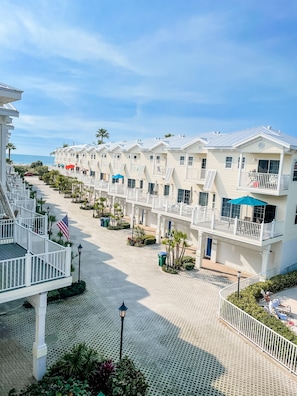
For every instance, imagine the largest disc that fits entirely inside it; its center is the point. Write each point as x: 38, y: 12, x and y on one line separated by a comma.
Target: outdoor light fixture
x: 238, y: 282
x: 48, y: 210
x: 79, y: 248
x: 122, y: 312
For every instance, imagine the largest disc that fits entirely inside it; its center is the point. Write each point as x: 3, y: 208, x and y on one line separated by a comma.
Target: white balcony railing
x: 266, y: 181
x: 267, y: 340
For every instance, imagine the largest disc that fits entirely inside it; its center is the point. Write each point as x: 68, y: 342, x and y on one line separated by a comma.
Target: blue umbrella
x: 118, y: 176
x: 247, y: 200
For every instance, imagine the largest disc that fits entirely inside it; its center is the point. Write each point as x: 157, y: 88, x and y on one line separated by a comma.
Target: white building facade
x: 187, y: 183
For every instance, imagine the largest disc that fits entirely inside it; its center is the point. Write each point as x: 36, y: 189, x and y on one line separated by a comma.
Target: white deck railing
x: 266, y: 181
x: 32, y: 269
x: 270, y: 342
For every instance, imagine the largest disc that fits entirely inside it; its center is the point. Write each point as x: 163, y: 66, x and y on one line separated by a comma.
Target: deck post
x: 39, y: 302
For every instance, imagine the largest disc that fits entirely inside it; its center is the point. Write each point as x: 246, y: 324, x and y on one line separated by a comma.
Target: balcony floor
x: 11, y: 250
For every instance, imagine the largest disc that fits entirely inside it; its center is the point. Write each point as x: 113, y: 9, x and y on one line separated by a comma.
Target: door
x: 208, y: 247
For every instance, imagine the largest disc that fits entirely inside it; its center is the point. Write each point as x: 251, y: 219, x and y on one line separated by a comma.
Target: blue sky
x: 144, y: 68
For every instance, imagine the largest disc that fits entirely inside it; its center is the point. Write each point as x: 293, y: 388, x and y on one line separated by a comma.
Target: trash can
x: 106, y: 221
x: 102, y: 221
x: 162, y: 258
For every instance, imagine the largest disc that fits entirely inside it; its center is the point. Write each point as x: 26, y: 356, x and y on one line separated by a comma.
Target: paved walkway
x: 171, y: 330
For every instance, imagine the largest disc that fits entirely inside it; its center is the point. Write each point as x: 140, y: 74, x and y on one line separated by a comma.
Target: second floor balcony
x: 264, y: 183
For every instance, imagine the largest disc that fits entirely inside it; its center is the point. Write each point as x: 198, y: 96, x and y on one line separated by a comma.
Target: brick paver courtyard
x: 171, y: 330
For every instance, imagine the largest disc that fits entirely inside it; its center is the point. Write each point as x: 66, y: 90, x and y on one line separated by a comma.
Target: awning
x: 69, y: 166
x: 210, y: 176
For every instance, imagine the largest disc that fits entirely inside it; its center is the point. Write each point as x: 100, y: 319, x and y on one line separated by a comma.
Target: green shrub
x: 188, y: 266
x: 65, y: 292
x: 126, y: 380
x: 249, y: 298
x: 149, y: 240
x: 169, y: 270
x: 188, y: 259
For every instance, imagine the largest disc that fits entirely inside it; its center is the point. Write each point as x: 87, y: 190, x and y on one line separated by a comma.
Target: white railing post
x: 28, y: 269
x: 181, y: 209
x: 262, y: 231
x: 235, y: 226
x: 273, y: 228
x: 212, y: 220
x: 68, y: 261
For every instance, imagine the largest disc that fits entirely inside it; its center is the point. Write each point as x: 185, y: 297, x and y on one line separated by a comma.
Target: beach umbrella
x: 118, y: 176
x: 247, y: 200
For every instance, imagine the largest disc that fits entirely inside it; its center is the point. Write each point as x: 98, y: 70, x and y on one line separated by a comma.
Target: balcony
x: 30, y: 263
x: 177, y: 210
x: 247, y: 231
x: 264, y: 183
x: 196, y: 175
x: 138, y: 195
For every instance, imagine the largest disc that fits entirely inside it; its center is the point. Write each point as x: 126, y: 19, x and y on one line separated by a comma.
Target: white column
x: 158, y: 230
x: 39, y: 302
x: 199, y: 251
x: 265, y: 261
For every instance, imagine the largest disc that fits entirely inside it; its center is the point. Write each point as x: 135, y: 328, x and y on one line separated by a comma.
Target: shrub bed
x: 249, y: 298
x: 83, y: 372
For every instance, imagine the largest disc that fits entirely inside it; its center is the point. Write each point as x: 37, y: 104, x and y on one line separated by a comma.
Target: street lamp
x: 122, y: 311
x: 238, y: 282
x: 79, y: 248
x: 133, y: 224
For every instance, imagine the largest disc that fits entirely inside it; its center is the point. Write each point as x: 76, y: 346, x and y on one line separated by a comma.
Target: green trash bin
x: 162, y: 258
x: 106, y: 221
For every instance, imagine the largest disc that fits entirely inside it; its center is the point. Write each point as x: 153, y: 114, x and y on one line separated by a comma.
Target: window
x: 295, y: 171
x: 151, y: 188
x: 151, y: 158
x: 184, y: 196
x: 131, y: 183
x: 182, y: 160
x: 228, y: 163
x: 242, y: 164
x: 166, y: 189
x: 92, y: 173
x: 203, y: 199
x: 190, y: 161
x: 229, y: 210
x: 158, y: 159
x: 268, y: 166
x: 213, y: 201
x: 140, y: 183
x: 203, y: 163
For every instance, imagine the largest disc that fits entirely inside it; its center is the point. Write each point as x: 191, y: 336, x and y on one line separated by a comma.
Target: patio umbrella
x: 247, y: 200
x: 118, y: 176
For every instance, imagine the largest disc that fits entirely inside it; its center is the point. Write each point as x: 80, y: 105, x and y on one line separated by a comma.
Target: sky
x: 145, y: 68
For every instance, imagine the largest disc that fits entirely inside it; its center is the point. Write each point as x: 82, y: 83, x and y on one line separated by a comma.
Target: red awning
x: 69, y: 166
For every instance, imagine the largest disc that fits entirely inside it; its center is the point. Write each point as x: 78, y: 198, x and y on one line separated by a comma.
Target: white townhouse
x: 30, y: 264
x: 234, y: 194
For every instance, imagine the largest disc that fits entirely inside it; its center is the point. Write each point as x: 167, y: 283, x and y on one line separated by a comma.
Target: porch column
x: 199, y: 251
x: 265, y: 261
x: 39, y: 302
x: 280, y: 171
x: 158, y: 230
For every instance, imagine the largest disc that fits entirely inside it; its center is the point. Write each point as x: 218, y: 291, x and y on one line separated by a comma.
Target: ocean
x: 25, y: 159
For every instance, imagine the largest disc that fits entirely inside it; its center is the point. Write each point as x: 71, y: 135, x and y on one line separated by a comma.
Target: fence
x: 270, y: 342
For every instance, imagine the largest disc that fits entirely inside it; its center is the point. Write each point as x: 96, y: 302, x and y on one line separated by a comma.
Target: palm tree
x: 101, y: 135
x: 167, y: 135
x: 9, y: 147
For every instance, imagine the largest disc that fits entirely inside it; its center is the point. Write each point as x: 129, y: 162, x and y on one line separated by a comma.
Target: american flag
x: 63, y: 226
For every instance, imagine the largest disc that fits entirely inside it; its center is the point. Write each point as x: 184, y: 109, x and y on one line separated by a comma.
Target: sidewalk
x: 171, y: 330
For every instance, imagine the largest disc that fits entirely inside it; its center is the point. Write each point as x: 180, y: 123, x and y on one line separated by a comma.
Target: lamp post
x: 133, y: 224
x: 122, y: 311
x: 238, y: 282
x: 79, y: 248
